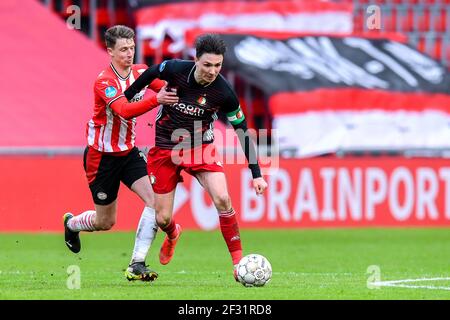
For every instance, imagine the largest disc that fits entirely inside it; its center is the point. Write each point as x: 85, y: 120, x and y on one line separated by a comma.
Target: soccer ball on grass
x: 254, y: 270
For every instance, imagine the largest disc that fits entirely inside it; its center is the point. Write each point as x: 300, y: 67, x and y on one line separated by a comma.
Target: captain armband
x: 236, y: 116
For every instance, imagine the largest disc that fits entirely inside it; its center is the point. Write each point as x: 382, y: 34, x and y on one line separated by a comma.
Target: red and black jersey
x: 190, y: 121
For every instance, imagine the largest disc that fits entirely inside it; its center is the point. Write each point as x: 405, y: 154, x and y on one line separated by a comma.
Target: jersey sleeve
x: 166, y: 68
x: 156, y: 84
x: 160, y: 71
x: 108, y: 90
x: 232, y: 109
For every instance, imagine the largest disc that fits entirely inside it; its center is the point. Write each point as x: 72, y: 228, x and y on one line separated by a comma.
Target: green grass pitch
x: 307, y: 264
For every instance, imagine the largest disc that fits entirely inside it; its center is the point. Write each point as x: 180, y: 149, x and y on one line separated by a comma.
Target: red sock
x: 170, y: 229
x: 230, y: 231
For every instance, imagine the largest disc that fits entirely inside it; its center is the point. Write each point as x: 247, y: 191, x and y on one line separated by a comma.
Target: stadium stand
x: 57, y: 67
x: 425, y: 22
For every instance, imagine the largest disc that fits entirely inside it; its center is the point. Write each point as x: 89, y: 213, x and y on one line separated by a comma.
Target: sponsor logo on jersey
x: 201, y: 100
x: 162, y: 66
x: 189, y: 109
x: 110, y: 92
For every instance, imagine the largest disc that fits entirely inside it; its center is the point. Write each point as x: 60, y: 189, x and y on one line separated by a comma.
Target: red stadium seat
x: 159, y: 54
x: 431, y: 44
x: 121, y: 13
x: 85, y: 8
x: 103, y: 21
x: 446, y: 54
x: 388, y: 18
x: 405, y: 18
x: 147, y: 50
x: 359, y: 19
x: 430, y: 2
x: 437, y: 50
x: 447, y: 18
x: 437, y: 19
x: 121, y: 16
x: 61, y: 7
x: 421, y: 18
x: 421, y: 44
x: 102, y: 17
x: 379, y: 2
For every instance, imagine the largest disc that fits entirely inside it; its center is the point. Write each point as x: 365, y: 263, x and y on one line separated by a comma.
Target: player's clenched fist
x: 260, y: 185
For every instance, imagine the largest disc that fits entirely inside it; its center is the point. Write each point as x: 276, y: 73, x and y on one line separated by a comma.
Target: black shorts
x: 105, y: 172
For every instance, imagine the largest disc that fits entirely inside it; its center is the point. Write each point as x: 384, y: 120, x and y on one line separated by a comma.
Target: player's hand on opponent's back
x: 166, y: 97
x: 260, y: 185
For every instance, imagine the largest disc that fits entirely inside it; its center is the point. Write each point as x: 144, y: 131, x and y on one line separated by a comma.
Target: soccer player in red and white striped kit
x: 111, y: 156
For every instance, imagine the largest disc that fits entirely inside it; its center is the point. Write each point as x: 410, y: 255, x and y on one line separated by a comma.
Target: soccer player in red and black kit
x: 186, y: 127
x: 111, y: 156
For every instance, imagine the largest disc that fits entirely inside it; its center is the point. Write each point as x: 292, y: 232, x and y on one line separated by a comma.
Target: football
x: 254, y: 270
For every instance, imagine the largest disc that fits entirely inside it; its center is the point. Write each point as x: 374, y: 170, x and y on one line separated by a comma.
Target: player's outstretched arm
x: 144, y: 80
x: 128, y: 110
x: 157, y: 84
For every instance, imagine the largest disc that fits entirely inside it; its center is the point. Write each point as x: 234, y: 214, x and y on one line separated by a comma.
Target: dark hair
x: 209, y: 43
x: 117, y: 32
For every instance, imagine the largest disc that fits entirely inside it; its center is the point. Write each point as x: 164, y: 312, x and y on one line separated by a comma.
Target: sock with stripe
x: 230, y: 232
x: 170, y: 229
x: 82, y: 222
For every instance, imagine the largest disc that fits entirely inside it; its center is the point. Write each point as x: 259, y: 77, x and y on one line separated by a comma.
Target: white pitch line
x: 413, y: 287
x: 399, y: 283
x: 412, y: 280
x: 275, y: 273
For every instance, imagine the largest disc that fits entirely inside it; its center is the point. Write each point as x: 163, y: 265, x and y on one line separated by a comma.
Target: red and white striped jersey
x: 106, y: 131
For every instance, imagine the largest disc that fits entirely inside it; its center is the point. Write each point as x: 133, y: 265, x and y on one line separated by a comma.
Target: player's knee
x: 163, y: 220
x: 222, y: 202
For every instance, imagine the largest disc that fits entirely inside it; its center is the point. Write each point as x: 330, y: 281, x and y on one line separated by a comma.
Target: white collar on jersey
x: 118, y: 75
